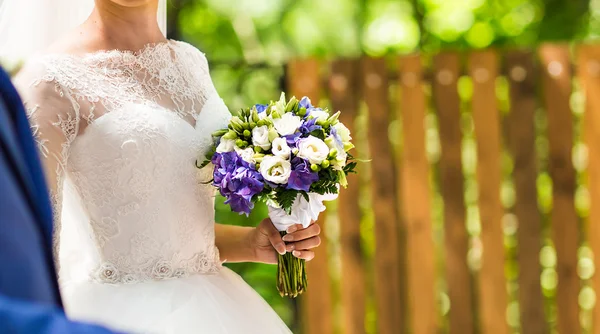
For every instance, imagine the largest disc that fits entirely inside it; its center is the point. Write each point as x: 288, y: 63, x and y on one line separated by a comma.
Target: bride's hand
x: 266, y: 241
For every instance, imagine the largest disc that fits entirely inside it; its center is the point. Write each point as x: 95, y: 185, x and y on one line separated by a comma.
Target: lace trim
x: 200, y: 263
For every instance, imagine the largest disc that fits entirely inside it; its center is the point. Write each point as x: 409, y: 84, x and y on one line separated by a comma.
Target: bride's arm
x: 55, y: 124
x: 261, y: 244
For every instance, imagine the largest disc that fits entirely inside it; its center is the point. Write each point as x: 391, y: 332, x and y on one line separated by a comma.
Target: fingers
x: 302, y: 234
x: 274, y: 237
x: 304, y: 244
x: 297, y: 227
x: 304, y: 255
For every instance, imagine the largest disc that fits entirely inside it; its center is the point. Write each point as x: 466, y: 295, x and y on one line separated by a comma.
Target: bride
x: 120, y: 114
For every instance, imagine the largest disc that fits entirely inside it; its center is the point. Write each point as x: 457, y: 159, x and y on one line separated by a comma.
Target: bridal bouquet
x: 291, y: 156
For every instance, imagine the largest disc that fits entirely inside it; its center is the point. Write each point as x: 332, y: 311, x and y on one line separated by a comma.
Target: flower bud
x: 252, y: 125
x: 261, y: 122
x: 258, y: 157
x: 257, y: 149
x: 275, y: 114
x: 230, y: 135
x: 302, y: 112
x: 219, y: 133
x: 314, y: 168
x: 333, y: 153
x: 348, y: 146
x: 255, y: 117
x: 342, y: 178
x: 325, y: 163
x: 237, y: 124
x: 273, y: 134
x: 334, y: 118
x: 291, y: 105
x: 247, y: 133
x: 239, y: 143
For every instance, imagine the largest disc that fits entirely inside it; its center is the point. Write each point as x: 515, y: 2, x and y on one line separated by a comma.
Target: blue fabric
x: 29, y: 297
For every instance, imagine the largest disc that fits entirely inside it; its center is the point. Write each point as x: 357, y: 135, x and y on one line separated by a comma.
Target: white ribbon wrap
x: 303, y: 212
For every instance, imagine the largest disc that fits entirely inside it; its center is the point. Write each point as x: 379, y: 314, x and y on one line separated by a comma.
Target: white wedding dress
x: 120, y: 133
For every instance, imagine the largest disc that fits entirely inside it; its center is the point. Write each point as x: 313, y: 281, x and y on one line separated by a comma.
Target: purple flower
x: 305, y: 103
x: 261, y: 107
x: 302, y: 176
x: 309, y: 126
x: 337, y: 137
x: 237, y: 181
x: 240, y: 204
x: 292, y: 140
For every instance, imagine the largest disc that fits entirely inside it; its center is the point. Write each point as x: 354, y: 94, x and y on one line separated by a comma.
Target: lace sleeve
x: 54, y: 119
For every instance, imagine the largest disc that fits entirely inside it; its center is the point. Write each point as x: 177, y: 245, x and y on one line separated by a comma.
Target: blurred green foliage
x: 275, y: 30
x: 248, y: 42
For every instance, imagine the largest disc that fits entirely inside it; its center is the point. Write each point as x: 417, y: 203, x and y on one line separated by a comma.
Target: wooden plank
x: 589, y: 76
x: 483, y: 68
x: 415, y: 185
x: 387, y: 265
x: 344, y: 89
x: 557, y: 92
x: 521, y: 141
x: 458, y: 276
x: 316, y: 304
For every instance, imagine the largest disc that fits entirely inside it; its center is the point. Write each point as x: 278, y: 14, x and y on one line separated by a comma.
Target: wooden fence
x: 404, y: 184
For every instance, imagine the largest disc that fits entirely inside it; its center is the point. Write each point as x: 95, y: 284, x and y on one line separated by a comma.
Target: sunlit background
x: 248, y: 43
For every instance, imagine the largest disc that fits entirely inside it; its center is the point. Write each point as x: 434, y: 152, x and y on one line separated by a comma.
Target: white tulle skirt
x: 221, y: 303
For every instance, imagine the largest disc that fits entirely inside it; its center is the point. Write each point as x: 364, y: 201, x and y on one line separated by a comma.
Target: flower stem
x: 291, y: 275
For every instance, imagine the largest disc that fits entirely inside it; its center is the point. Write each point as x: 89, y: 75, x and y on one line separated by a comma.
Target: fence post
x: 589, y: 75
x: 344, y: 92
x: 388, y: 257
x: 316, y: 304
x: 557, y: 92
x: 521, y: 141
x: 416, y: 189
x: 483, y: 69
x: 458, y: 276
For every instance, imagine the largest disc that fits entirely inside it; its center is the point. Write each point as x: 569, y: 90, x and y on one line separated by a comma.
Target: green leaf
x: 286, y: 199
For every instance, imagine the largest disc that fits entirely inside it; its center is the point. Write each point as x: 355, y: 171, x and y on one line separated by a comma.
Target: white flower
x: 226, y: 145
x: 340, y: 159
x: 343, y: 132
x: 162, y: 269
x: 246, y: 154
x: 281, y: 104
x: 313, y: 149
x: 281, y: 148
x: 319, y: 114
x: 260, y: 137
x: 288, y: 124
x: 275, y: 169
x: 108, y: 273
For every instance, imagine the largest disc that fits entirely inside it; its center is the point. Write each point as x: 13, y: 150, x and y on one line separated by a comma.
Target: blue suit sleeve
x: 19, y: 317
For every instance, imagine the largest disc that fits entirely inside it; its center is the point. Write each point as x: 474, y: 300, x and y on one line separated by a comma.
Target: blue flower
x: 309, y: 126
x: 302, y: 177
x: 305, y: 103
x: 260, y: 108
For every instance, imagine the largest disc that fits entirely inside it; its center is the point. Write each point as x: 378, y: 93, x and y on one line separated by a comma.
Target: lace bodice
x: 119, y: 133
